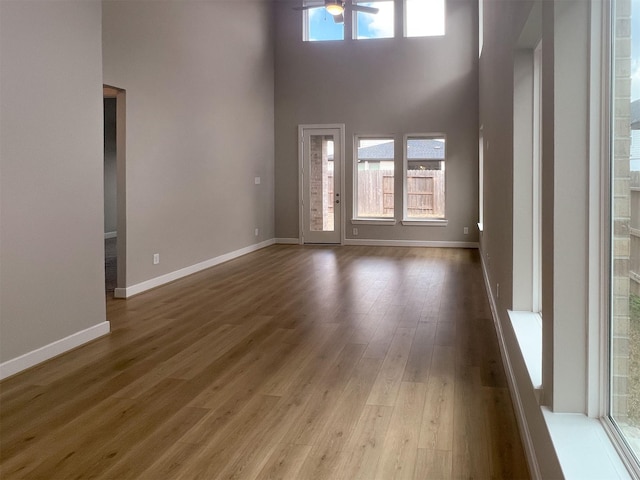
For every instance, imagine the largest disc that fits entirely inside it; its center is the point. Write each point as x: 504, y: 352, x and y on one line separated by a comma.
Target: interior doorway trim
x: 301, y: 187
x: 120, y: 95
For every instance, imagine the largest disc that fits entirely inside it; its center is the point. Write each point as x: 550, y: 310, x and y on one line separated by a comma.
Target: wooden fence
x: 425, y: 193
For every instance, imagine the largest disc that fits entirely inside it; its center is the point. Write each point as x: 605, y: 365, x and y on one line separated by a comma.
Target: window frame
x: 356, y: 219
x: 306, y: 26
x: 434, y: 221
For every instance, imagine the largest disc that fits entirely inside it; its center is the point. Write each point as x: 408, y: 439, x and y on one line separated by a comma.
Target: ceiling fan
x: 337, y: 7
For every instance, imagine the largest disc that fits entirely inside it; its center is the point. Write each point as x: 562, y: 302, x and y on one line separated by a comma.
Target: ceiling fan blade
x: 338, y: 18
x: 365, y: 9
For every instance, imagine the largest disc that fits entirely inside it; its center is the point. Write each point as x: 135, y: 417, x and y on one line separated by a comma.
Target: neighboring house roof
x: 417, y: 149
x: 425, y: 148
x: 382, y: 151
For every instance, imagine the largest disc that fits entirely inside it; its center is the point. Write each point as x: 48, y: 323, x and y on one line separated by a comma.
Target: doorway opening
x: 115, y: 232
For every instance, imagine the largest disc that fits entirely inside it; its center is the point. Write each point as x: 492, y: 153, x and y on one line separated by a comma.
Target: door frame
x: 341, y: 133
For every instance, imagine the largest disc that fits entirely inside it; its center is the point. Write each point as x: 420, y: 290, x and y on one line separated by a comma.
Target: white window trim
x: 536, y: 187
x: 405, y: 166
x: 305, y: 26
x: 436, y: 222
x: 373, y: 221
x: 480, y: 175
x: 357, y: 220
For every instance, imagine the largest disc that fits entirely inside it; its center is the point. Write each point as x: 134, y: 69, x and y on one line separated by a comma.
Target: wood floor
x: 291, y: 362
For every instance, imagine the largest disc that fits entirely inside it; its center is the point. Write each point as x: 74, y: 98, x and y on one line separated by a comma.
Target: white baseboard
x: 30, y: 359
x: 409, y: 243
x: 525, y: 434
x: 183, y: 272
x: 288, y: 241
x: 108, y: 235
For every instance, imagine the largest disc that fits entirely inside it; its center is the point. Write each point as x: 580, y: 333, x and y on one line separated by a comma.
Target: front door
x: 320, y: 169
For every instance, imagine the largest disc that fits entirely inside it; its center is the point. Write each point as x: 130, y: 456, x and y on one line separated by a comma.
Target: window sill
x: 528, y: 329
x: 436, y: 222
x: 373, y: 221
x: 583, y: 447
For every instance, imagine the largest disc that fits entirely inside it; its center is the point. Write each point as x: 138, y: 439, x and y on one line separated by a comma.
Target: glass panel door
x: 320, y: 178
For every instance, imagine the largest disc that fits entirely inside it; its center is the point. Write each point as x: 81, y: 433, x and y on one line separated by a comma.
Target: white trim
x: 108, y: 235
x: 39, y: 355
x: 536, y: 184
x: 183, y: 272
x: 525, y: 434
x: 354, y: 178
x: 410, y: 243
x: 340, y: 212
x: 480, y: 174
x: 426, y: 223
x: 405, y: 169
x: 287, y: 241
x: 583, y: 447
x: 599, y: 273
x: 373, y: 221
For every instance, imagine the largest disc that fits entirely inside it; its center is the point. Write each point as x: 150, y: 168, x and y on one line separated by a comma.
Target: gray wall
x: 51, y: 208
x: 199, y: 83
x: 384, y: 87
x: 110, y: 178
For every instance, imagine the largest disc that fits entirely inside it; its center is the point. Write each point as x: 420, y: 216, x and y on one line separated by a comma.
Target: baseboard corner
x: 47, y: 352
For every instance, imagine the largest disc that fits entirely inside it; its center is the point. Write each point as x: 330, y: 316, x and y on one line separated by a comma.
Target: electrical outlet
x: 466, y: 230
x: 355, y: 231
x: 257, y: 232
x: 257, y: 180
x: 156, y: 258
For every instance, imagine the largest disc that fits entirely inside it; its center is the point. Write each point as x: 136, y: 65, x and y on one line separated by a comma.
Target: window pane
x: 321, y: 26
x: 424, y: 18
x: 374, y: 173
x: 625, y: 230
x: 378, y: 25
x: 424, y: 195
x: 321, y: 184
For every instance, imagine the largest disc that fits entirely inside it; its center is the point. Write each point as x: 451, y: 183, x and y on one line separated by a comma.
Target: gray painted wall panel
x: 199, y: 82
x: 51, y: 208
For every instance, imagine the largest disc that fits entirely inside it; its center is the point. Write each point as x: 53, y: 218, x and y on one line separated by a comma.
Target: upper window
x: 374, y: 177
x: 374, y: 25
x: 424, y: 191
x: 320, y: 25
x: 424, y: 18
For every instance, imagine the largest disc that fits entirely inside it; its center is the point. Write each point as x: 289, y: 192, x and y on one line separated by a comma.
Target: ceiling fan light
x: 334, y: 8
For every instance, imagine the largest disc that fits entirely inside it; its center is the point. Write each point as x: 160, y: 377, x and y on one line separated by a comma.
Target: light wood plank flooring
x: 291, y: 362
